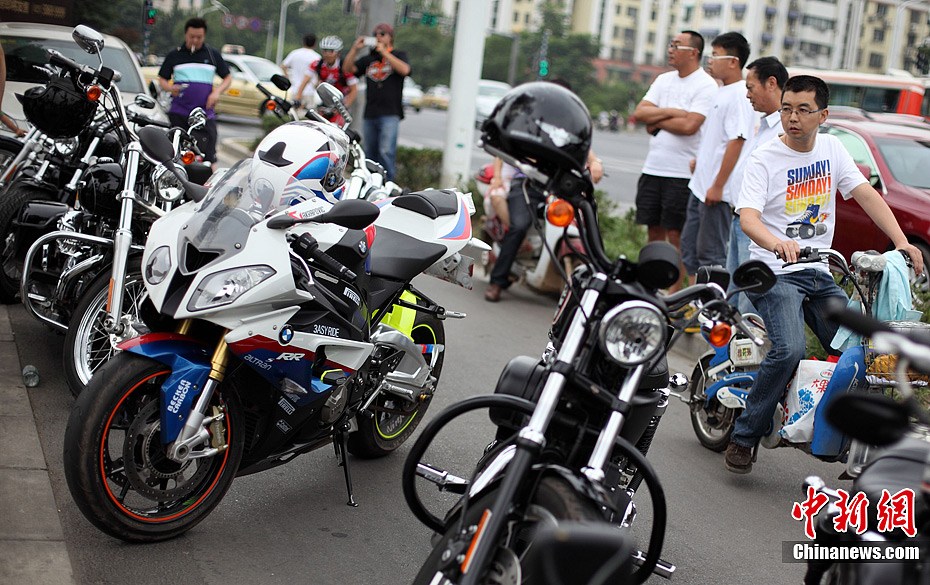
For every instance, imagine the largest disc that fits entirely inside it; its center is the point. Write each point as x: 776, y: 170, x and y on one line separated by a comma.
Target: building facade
x: 872, y: 36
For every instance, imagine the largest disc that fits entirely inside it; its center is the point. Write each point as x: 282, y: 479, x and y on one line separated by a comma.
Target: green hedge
x: 418, y: 168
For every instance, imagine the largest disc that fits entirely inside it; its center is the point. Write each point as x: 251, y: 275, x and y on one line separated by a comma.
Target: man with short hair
x: 297, y: 68
x: 729, y: 124
x: 187, y: 74
x: 384, y: 69
x: 673, y: 110
x: 788, y: 200
x: 765, y: 79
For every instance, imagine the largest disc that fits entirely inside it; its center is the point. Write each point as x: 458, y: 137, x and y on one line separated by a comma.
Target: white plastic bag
x: 805, y: 393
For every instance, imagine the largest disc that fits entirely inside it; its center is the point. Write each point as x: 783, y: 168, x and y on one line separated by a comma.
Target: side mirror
x: 874, y: 419
x: 88, y: 39
x: 658, y: 265
x: 197, y: 119
x: 354, y: 214
x: 754, y: 276
x: 156, y: 146
x: 143, y: 101
x: 713, y: 274
x: 281, y: 82
x: 329, y: 95
x: 868, y: 174
x: 153, y: 89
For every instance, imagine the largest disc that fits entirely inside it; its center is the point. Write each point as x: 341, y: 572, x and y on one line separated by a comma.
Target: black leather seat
x: 432, y: 203
x: 397, y: 256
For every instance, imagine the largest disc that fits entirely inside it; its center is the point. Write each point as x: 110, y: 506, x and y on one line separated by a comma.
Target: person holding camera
x: 384, y: 69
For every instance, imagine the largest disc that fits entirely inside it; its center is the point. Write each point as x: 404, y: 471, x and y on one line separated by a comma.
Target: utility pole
x: 467, y: 58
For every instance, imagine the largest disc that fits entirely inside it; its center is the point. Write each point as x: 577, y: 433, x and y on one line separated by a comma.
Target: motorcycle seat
x: 432, y: 203
x: 900, y: 466
x: 397, y: 256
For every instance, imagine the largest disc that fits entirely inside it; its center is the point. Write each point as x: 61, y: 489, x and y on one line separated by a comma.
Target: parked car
x: 489, y: 93
x: 242, y: 98
x: 896, y: 157
x: 413, y: 95
x: 437, y: 97
x: 25, y: 45
x: 849, y: 113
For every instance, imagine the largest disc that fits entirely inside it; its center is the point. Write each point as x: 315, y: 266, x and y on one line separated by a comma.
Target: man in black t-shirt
x: 187, y: 74
x: 384, y: 70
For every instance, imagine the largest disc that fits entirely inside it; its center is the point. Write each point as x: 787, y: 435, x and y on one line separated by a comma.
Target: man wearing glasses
x: 713, y: 186
x: 384, y: 69
x: 673, y: 110
x: 788, y: 200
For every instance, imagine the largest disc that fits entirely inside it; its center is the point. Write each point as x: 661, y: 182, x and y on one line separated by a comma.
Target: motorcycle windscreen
x: 247, y: 194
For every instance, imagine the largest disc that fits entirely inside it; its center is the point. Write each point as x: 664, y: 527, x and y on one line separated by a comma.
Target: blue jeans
x: 381, y: 141
x: 738, y: 253
x: 704, y: 237
x: 797, y: 298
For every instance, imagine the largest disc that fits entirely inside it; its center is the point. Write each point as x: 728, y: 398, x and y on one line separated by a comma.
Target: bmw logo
x: 363, y: 247
x: 287, y: 334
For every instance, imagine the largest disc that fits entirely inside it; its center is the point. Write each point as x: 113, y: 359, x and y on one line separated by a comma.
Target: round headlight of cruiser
x: 66, y: 146
x: 158, y: 265
x: 633, y: 333
x: 167, y: 185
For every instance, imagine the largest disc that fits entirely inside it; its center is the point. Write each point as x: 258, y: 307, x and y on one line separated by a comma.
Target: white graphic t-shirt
x: 796, y: 194
x: 670, y: 154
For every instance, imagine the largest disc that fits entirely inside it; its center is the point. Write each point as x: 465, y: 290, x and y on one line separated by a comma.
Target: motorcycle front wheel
x: 11, y: 248
x: 554, y: 501
x: 712, y: 424
x: 117, y: 468
x: 87, y: 343
x: 393, y: 420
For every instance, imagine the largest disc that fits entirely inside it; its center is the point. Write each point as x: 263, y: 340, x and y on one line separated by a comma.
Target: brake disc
x: 146, y: 464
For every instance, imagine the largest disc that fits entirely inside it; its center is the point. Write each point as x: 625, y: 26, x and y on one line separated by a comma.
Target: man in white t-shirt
x: 765, y: 79
x: 788, y: 200
x: 714, y: 185
x: 673, y: 110
x: 297, y: 67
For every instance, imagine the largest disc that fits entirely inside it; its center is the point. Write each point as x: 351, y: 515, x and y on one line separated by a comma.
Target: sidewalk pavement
x: 32, y: 544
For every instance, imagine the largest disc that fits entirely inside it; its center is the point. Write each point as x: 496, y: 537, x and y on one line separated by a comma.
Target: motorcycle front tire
x: 115, y: 464
x: 554, y: 496
x: 87, y: 344
x: 11, y: 269
x: 714, y: 437
x: 383, y: 432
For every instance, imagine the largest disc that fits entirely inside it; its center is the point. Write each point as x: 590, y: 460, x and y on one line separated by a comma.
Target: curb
x: 32, y: 543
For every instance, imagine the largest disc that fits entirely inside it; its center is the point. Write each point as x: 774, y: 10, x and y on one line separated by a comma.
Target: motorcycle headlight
x: 65, y: 146
x: 158, y: 266
x: 225, y: 287
x: 167, y: 185
x: 633, y: 333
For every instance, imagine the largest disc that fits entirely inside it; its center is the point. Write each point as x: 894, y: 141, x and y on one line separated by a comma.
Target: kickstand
x: 340, y: 443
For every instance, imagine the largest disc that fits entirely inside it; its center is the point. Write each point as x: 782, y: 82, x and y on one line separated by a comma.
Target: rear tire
x: 11, y: 268
x: 555, y: 501
x: 116, y: 466
x: 712, y: 427
x: 383, y: 432
x: 87, y: 343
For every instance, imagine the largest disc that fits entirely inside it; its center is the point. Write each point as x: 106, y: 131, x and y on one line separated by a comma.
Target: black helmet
x: 543, y: 124
x: 102, y: 184
x: 59, y: 109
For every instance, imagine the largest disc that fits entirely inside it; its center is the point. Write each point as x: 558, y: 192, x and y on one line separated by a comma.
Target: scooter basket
x: 880, y: 367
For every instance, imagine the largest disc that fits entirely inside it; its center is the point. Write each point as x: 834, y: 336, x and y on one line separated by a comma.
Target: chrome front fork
x: 122, y: 241
x: 31, y: 143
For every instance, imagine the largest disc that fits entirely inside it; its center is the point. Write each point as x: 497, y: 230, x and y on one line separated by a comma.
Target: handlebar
x: 308, y: 248
x: 56, y: 58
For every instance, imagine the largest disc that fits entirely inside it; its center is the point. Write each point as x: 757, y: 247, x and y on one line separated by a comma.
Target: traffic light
x: 149, y: 12
x: 543, y: 67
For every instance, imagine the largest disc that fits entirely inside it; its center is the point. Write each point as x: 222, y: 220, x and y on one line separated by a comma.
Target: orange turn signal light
x: 93, y: 93
x: 560, y: 213
x: 719, y: 334
x: 187, y: 157
x: 270, y: 105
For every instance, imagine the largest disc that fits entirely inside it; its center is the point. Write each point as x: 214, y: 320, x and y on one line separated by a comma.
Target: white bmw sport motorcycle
x: 278, y: 327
